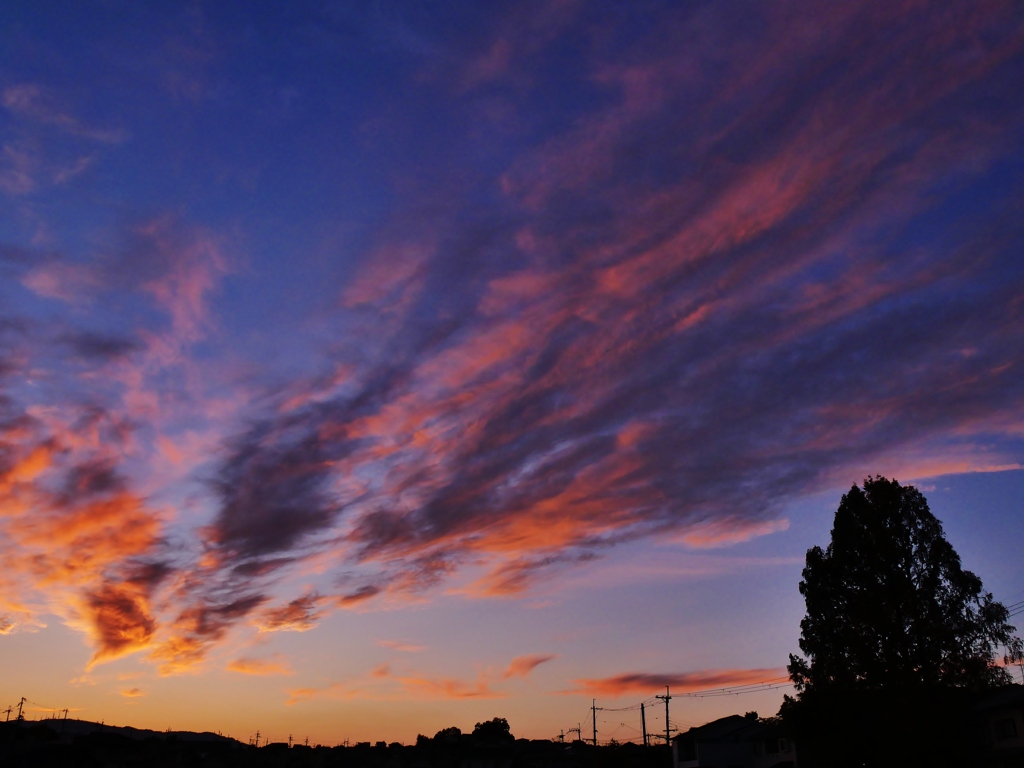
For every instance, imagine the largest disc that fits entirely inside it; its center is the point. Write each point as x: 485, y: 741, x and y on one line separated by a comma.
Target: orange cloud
x: 247, y: 666
x: 521, y: 666
x: 361, y: 595
x: 133, y: 693
x: 73, y: 538
x: 299, y: 615
x: 641, y: 683
x: 121, y: 620
x: 178, y: 654
x: 448, y: 688
x: 332, y: 691
x: 30, y: 466
x: 198, y: 627
x: 384, y: 683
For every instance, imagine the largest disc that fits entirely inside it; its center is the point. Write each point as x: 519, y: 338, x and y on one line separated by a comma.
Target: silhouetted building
x: 999, y: 727
x: 734, y: 742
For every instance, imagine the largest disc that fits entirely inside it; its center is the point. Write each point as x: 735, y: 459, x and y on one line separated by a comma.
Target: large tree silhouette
x: 889, y: 605
x: 896, y: 639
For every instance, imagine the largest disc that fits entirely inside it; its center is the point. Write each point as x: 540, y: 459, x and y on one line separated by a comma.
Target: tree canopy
x: 889, y: 605
x: 496, y: 730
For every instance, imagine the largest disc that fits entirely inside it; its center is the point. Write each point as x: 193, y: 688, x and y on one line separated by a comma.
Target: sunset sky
x: 372, y: 367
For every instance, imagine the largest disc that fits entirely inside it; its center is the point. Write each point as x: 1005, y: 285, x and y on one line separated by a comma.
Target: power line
x: 631, y: 707
x: 770, y: 684
x: 715, y: 693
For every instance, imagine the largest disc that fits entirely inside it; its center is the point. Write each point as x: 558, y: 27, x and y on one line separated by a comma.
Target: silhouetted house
x: 734, y: 742
x: 999, y: 727
x: 772, y: 745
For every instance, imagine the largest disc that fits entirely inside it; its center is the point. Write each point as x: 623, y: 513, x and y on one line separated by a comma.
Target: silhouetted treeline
x: 41, y: 745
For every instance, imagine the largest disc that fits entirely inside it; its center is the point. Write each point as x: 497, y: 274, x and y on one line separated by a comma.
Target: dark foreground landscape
x: 79, y: 743
x: 981, y: 729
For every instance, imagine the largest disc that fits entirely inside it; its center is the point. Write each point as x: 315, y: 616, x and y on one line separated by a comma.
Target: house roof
x: 730, y: 728
x: 1000, y: 698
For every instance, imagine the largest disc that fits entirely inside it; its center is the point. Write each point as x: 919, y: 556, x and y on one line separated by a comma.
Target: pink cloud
x: 521, y: 666
x: 397, y: 645
x: 639, y: 349
x: 64, y: 281
x: 639, y: 683
x: 30, y: 101
x: 724, y: 532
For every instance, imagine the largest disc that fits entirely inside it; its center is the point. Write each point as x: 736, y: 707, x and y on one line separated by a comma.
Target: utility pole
x: 289, y: 741
x: 593, y: 712
x: 667, y: 698
x: 643, y: 722
x: 21, y: 704
x: 9, y: 710
x: 561, y: 737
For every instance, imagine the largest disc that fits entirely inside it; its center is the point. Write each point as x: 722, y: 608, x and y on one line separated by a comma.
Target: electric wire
x: 770, y: 684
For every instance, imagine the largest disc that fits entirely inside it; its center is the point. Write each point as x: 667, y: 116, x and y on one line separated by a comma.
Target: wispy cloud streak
x: 639, y: 683
x: 714, y: 293
x: 754, y: 251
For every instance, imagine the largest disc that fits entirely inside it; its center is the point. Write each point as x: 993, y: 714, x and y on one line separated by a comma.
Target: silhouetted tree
x: 896, y: 636
x: 448, y: 735
x: 888, y: 604
x: 496, y: 731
